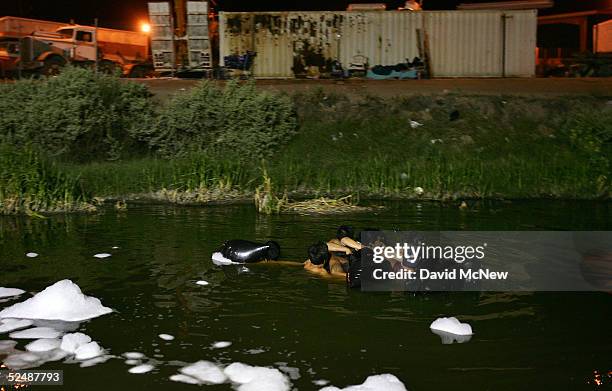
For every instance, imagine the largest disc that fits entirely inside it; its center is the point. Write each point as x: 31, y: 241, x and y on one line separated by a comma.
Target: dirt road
x: 163, y: 88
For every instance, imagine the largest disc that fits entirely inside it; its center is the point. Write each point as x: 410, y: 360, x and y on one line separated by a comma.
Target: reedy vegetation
x: 112, y: 139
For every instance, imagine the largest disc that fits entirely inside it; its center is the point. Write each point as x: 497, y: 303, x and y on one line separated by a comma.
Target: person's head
x: 273, y: 250
x: 318, y: 254
x: 344, y: 231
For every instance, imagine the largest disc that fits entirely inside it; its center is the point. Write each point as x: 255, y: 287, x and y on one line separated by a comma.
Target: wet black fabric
x: 245, y: 251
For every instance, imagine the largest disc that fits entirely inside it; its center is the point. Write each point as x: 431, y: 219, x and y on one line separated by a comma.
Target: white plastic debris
x: 132, y: 361
x: 10, y: 292
x: 451, y: 325
x: 144, y: 368
x: 88, y: 351
x: 202, y: 283
x: 320, y: 382
x: 31, y: 255
x: 419, y: 190
x: 115, y: 247
x: 184, y: 379
x: 35, y: 333
x: 102, y: 255
x: 133, y: 355
x: 251, y: 378
x: 219, y: 260
x: 205, y: 372
x: 221, y: 344
x: 60, y: 301
x: 71, y: 342
x: 166, y: 337
x: 415, y: 124
x: 43, y: 345
x: 384, y: 382
x: 7, y: 325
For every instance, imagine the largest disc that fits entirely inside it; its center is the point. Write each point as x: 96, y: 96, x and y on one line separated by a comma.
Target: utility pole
x: 95, y: 37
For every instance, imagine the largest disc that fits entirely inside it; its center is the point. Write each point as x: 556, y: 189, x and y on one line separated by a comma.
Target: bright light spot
x: 145, y: 27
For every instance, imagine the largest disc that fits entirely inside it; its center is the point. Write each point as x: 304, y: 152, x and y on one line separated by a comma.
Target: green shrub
x: 78, y: 115
x: 237, y: 119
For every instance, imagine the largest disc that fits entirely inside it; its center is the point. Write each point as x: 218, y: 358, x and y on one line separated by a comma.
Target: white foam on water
x: 451, y: 325
x: 115, y: 247
x: 292, y: 372
x: 144, y: 368
x: 7, y: 345
x: 184, y: 379
x: 88, y: 351
x: 102, y: 255
x: 132, y: 361
x: 448, y: 338
x: 385, y: 382
x: 36, y: 333
x: 10, y: 292
x: 219, y: 260
x: 43, y: 345
x: 320, y: 382
x: 71, y: 342
x: 255, y: 351
x: 133, y: 355
x: 7, y: 325
x: 60, y: 301
x: 202, y: 283
x: 95, y: 361
x: 166, y: 337
x: 205, y: 372
x: 31, y: 255
x: 221, y: 344
x: 248, y: 378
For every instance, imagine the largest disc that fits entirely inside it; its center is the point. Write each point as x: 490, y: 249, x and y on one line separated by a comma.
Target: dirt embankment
x: 163, y: 88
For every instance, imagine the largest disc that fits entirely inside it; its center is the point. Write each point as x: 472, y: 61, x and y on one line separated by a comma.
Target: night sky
x: 126, y: 14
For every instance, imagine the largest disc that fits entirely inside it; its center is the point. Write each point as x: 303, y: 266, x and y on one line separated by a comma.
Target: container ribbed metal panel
x: 162, y: 44
x: 461, y: 43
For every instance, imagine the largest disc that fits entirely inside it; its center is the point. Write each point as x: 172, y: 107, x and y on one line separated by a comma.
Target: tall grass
x: 30, y: 184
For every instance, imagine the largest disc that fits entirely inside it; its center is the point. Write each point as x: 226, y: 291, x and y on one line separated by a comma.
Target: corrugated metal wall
x: 462, y: 43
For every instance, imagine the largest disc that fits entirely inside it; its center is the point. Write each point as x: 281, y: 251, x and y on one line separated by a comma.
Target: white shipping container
x: 461, y: 43
x: 602, y: 34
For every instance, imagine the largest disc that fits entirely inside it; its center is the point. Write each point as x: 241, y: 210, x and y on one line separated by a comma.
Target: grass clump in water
x: 31, y: 185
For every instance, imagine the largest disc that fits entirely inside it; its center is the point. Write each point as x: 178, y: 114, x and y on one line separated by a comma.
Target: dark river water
x: 280, y: 316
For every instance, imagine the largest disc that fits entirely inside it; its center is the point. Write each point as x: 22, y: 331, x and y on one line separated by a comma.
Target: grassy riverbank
x: 211, y: 144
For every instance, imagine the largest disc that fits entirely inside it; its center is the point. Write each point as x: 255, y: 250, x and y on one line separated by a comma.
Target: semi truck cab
x: 83, y: 41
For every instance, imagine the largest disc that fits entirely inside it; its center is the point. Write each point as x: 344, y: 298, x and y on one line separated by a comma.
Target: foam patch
x: 71, y: 342
x: 43, y: 345
x: 31, y: 255
x: 144, y: 368
x: 166, y: 337
x: 205, y: 372
x: 102, y: 255
x: 451, y: 325
x: 60, y: 301
x: 88, y: 351
x: 10, y: 292
x: 221, y: 344
x: 35, y: 333
x: 7, y: 325
x: 385, y: 382
x: 219, y: 260
x: 250, y: 378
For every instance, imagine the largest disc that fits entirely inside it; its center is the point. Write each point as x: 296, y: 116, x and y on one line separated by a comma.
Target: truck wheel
x: 52, y: 66
x: 108, y: 67
x: 140, y: 71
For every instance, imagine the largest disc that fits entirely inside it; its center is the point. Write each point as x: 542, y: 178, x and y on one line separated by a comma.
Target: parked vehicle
x: 37, y: 46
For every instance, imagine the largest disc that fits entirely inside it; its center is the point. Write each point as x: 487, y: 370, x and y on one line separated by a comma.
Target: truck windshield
x: 66, y: 33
